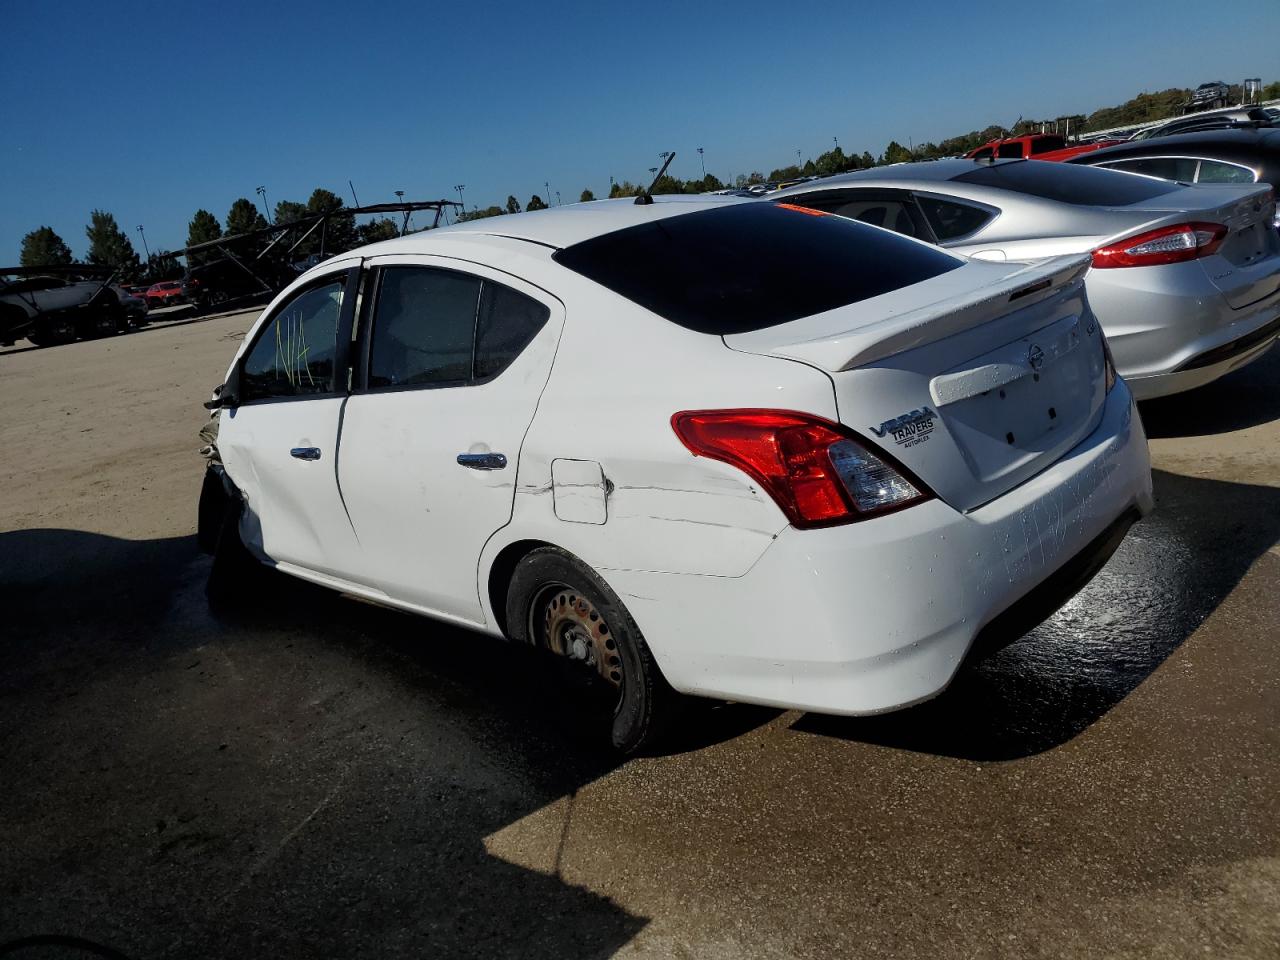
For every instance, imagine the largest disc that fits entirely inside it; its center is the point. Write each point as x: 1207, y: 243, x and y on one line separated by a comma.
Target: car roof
x: 934, y: 170
x: 1237, y: 141
x: 556, y: 227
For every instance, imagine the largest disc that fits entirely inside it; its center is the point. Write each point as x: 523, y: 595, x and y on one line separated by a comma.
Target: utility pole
x: 702, y: 161
x: 262, y: 192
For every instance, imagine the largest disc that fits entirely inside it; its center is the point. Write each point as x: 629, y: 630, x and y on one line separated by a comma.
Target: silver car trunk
x: 1031, y: 388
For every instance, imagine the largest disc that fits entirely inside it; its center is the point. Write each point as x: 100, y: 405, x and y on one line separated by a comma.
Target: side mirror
x: 226, y: 395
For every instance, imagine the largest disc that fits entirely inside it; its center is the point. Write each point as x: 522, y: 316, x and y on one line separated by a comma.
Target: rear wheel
x: 558, y: 603
x: 50, y: 331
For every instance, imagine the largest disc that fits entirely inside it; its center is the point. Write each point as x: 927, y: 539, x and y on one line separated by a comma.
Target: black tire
x: 52, y: 331
x: 643, y: 705
x: 236, y: 577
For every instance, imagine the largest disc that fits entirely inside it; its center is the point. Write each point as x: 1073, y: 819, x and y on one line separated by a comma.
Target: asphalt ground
x: 316, y: 776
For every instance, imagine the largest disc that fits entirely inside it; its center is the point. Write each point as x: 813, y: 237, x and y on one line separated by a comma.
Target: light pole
x: 405, y: 226
x: 143, y: 235
x: 702, y: 160
x: 262, y: 192
x: 557, y: 198
x: 548, y: 186
x: 836, y: 141
x: 797, y: 159
x: 460, y: 187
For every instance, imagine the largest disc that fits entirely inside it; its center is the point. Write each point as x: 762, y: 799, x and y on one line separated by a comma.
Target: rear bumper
x: 1170, y: 329
x: 879, y: 615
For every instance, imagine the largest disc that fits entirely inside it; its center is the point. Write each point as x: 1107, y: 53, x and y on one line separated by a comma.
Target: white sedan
x: 703, y: 446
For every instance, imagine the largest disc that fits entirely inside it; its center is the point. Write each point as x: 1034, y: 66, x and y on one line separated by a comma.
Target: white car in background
x: 711, y: 446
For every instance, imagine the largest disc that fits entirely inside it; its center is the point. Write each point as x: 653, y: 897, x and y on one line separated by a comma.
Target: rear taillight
x: 1186, y: 241
x: 816, y: 471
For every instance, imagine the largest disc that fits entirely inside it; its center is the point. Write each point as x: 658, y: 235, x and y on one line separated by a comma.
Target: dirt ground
x: 320, y: 777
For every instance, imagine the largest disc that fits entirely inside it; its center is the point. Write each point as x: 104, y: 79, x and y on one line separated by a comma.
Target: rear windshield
x: 1067, y: 183
x: 749, y: 266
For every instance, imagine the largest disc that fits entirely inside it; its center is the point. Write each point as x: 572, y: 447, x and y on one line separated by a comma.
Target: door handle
x: 482, y: 461
x: 305, y: 453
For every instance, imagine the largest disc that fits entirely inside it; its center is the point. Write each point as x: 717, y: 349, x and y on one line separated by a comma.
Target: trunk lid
x: 1031, y: 388
x: 1246, y: 267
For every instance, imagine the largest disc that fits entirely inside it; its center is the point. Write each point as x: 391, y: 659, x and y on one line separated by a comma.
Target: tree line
x: 110, y: 246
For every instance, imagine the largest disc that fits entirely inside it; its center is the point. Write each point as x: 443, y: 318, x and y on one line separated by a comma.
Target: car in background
x: 841, y: 412
x: 1185, y: 280
x: 166, y: 293
x: 1219, y: 120
x: 1041, y: 146
x: 1214, y: 156
x: 1207, y: 96
x: 57, y: 305
x: 134, y: 306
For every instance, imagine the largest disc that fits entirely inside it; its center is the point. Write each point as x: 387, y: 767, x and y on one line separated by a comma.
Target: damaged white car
x: 700, y: 446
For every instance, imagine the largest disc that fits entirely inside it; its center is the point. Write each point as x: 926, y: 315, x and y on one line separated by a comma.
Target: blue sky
x: 152, y: 110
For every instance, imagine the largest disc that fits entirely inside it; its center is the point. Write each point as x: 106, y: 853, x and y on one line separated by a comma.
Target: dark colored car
x: 58, y: 306
x: 1211, y: 156
x: 165, y: 293
x: 1220, y: 120
x: 1209, y: 95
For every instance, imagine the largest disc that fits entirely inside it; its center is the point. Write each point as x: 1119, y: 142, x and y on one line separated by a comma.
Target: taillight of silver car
x: 1176, y: 244
x: 817, y: 472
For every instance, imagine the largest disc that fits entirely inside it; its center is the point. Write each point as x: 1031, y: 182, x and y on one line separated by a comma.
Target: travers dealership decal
x: 909, y: 429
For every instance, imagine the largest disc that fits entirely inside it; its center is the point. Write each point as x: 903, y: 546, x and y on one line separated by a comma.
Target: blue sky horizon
x: 151, y: 111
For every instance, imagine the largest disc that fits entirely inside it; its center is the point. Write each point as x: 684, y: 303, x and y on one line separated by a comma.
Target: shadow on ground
x: 1241, y: 399
x: 313, y: 779
x: 1172, y: 571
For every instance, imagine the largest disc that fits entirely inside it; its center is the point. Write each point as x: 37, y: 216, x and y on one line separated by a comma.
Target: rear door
x: 280, y: 443
x: 454, y: 357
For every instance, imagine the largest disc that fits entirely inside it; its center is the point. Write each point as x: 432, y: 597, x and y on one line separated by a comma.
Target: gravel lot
x: 320, y: 777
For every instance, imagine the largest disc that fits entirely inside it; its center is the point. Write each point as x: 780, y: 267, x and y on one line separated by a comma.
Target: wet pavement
x: 314, y: 776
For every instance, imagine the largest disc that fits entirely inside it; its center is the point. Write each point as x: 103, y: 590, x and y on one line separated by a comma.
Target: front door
x: 280, y: 443
x: 453, y: 360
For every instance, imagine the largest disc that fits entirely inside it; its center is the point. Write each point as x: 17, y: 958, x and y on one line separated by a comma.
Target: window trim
x: 995, y: 214
x: 342, y: 349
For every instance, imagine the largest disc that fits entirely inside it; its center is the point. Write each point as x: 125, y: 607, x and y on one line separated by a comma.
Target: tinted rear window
x: 750, y: 266
x: 1067, y: 183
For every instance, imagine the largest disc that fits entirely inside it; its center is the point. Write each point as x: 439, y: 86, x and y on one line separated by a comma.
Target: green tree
x: 244, y: 217
x: 895, y: 153
x: 110, y: 247
x: 203, y: 227
x: 485, y: 213
x: 535, y: 203
x: 378, y: 230
x: 340, y: 230
x: 624, y: 189
x: 163, y: 265
x: 785, y: 173
x: 667, y: 184
x: 587, y: 196
x: 711, y: 182
x: 832, y: 162
x: 44, y: 248
x: 513, y: 205
x: 287, y: 211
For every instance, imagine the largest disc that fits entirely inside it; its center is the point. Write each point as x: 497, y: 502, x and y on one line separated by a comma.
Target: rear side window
x: 295, y: 352
x: 1215, y: 171
x: 508, y: 322
x: 874, y: 207
x: 1009, y: 150
x: 1166, y: 168
x: 950, y: 219
x: 752, y: 265
x: 436, y: 327
x: 423, y: 327
x: 1046, y: 145
x: 1066, y: 183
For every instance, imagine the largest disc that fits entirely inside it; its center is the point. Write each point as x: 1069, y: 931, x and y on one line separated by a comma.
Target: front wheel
x: 557, y: 603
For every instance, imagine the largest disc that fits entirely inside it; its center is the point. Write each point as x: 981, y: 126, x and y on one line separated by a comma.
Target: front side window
x: 423, y: 327
x: 951, y: 219
x: 1215, y: 171
x: 295, y: 352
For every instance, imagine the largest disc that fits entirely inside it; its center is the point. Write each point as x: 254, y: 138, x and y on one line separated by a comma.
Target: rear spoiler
x: 862, y: 344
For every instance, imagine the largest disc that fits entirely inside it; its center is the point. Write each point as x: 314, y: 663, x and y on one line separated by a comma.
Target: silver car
x: 1185, y: 279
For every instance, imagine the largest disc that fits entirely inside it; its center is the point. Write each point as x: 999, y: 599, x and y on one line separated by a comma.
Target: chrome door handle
x: 482, y: 461
x: 305, y: 453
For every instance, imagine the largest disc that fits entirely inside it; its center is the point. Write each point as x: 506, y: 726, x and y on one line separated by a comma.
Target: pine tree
x: 44, y: 248
x: 203, y: 227
x: 110, y: 247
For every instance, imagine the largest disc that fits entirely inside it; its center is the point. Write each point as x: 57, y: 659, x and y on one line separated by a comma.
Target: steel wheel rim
x: 569, y: 625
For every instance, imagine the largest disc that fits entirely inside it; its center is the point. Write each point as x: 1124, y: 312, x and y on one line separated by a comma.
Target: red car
x: 164, y: 294
x: 1038, y: 146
